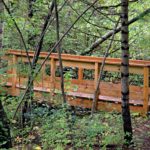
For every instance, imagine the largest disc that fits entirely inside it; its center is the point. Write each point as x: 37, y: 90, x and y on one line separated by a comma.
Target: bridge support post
x: 53, y: 69
x: 43, y: 75
x: 97, y: 70
x: 146, y: 90
x: 80, y: 74
x: 14, y: 75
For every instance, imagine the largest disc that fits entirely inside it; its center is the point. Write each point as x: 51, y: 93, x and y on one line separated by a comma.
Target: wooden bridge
x: 81, y: 87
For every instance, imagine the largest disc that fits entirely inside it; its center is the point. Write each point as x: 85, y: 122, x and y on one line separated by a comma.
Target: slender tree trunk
x: 29, y: 96
x: 97, y: 90
x: 125, y: 72
x: 59, y: 53
x: 1, y: 23
x: 31, y: 36
x: 38, y: 48
x: 5, y: 137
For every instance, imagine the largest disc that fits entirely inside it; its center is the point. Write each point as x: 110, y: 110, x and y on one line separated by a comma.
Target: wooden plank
x: 25, y: 60
x: 87, y: 86
x: 146, y: 87
x: 96, y: 77
x: 116, y: 68
x: 52, y: 77
x: 105, y: 103
x: 115, y: 61
x: 78, y: 64
x: 14, y: 74
x: 43, y: 74
x: 96, y: 73
x: 9, y: 71
x: 87, y: 96
x: 108, y: 67
x: 104, y: 106
x: 103, y: 98
x: 80, y: 74
x: 136, y: 70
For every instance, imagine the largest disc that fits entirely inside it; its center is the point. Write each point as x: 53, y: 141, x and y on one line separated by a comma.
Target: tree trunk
x: 1, y: 23
x: 31, y: 36
x: 5, y: 137
x: 29, y: 96
x: 125, y: 72
x: 59, y: 53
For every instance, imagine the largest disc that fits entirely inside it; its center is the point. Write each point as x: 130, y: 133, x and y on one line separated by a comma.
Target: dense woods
x: 100, y: 29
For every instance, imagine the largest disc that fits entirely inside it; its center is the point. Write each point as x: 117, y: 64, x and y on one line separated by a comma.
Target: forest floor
x: 141, y: 131
x: 110, y: 122
x: 141, y: 136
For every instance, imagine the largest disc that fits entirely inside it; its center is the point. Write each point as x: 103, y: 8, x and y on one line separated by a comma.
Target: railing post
x: 43, y: 74
x: 53, y: 69
x: 97, y: 70
x: 80, y: 74
x: 14, y: 75
x: 9, y: 71
x: 146, y: 90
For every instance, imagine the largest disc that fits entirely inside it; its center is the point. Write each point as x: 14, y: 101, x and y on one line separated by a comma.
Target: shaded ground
x: 141, y: 132
x: 141, y: 127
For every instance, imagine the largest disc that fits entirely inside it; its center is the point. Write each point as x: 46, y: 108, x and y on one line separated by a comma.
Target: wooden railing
x: 110, y: 92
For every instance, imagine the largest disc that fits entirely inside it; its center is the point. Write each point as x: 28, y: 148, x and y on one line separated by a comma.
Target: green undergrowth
x: 65, y: 129
x: 62, y: 127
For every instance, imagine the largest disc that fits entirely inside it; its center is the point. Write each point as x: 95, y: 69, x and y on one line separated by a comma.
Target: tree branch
x: 109, y: 34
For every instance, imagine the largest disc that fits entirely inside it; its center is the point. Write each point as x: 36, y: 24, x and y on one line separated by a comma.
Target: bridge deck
x: 81, y: 87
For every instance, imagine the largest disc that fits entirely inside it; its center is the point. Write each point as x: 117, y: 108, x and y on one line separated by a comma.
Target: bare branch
x: 109, y: 34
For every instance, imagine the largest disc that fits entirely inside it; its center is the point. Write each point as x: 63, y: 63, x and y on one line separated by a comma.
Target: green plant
x: 55, y: 130
x: 61, y: 128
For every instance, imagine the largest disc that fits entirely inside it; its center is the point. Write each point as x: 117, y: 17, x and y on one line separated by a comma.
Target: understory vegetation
x: 61, y: 127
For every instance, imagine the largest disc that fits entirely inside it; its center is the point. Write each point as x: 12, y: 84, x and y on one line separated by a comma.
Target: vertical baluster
x: 80, y: 74
x: 9, y: 71
x: 146, y: 90
x: 52, y: 78
x: 43, y: 76
x: 97, y: 70
x: 14, y: 75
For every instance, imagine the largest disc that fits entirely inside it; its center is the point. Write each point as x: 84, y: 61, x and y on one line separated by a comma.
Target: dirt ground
x: 141, y: 132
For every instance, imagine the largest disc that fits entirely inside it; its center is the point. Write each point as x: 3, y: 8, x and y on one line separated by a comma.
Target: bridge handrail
x: 117, y: 61
x: 89, y: 62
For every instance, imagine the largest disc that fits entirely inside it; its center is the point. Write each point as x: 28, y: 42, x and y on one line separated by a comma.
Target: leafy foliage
x: 91, y: 26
